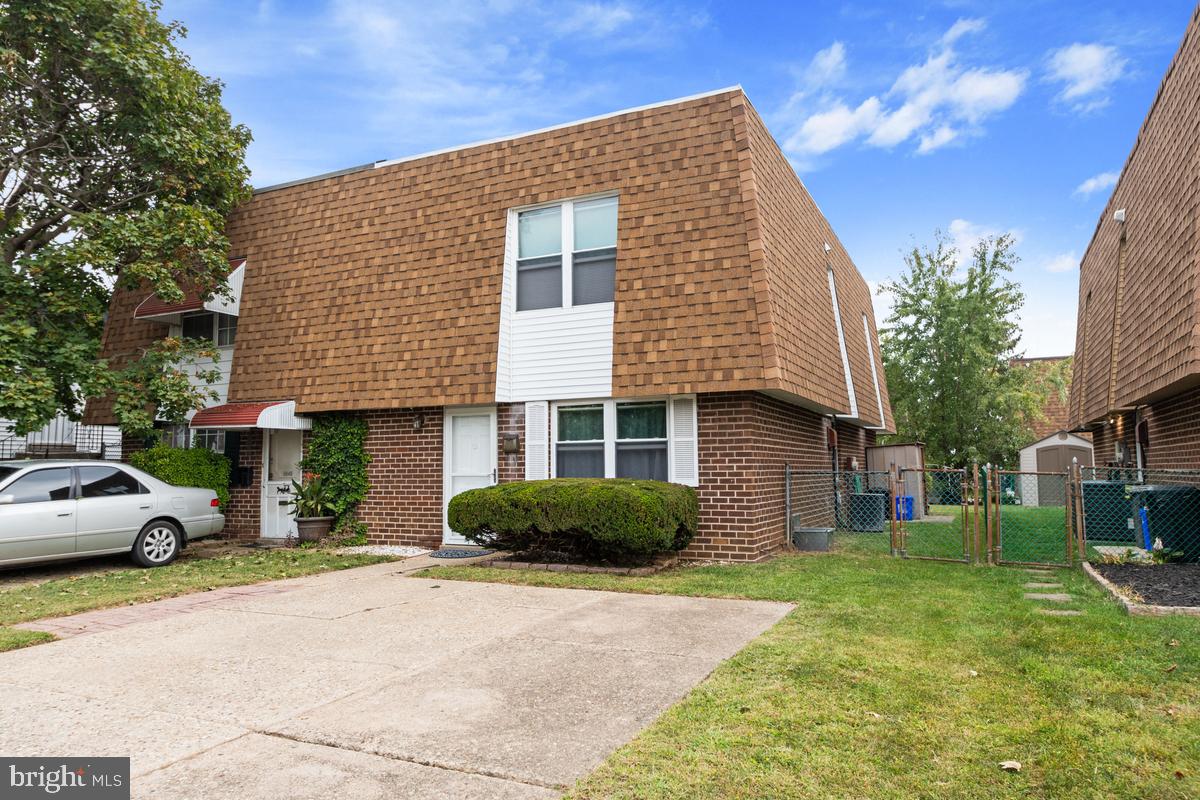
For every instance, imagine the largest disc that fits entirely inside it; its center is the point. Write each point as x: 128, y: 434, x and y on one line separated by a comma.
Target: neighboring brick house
x: 651, y: 293
x: 1136, y: 381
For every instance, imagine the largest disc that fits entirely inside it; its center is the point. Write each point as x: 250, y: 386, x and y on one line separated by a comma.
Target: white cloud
x: 1063, y: 262
x: 937, y: 102
x: 834, y: 127
x: 1097, y: 183
x: 965, y: 235
x: 1086, y: 72
x: 827, y: 67
x: 597, y: 19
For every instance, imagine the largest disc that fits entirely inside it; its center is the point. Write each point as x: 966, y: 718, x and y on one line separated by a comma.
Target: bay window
x: 552, y: 275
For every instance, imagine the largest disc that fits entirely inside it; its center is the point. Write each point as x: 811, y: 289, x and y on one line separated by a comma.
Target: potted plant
x: 311, y: 503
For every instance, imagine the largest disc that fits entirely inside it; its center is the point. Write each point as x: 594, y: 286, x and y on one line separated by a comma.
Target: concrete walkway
x: 367, y: 683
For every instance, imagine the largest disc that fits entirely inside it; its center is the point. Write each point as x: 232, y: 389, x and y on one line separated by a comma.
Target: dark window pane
x: 539, y: 283
x: 642, y: 461
x: 6, y: 471
x: 580, y: 461
x: 580, y: 423
x: 198, y: 326
x: 40, y: 486
x: 106, y: 482
x: 641, y: 420
x: 594, y: 277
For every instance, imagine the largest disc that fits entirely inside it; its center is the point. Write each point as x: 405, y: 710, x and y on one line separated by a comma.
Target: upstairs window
x: 550, y: 275
x: 208, y: 326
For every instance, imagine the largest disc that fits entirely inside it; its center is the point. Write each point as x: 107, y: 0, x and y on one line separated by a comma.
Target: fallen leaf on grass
x: 876, y: 716
x: 1172, y: 668
x: 973, y: 673
x: 1010, y: 766
x: 1173, y: 643
x: 1179, y: 774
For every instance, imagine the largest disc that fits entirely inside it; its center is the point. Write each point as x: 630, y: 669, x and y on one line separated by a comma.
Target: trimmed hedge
x: 578, y: 518
x: 195, y: 466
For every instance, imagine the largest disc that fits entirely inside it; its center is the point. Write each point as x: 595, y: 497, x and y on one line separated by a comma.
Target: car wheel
x: 157, y: 545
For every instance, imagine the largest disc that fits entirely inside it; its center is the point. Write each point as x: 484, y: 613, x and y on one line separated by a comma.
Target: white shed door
x: 469, y: 458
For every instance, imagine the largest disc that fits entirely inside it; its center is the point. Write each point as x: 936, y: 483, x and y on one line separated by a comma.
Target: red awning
x: 154, y: 306
x: 232, y: 415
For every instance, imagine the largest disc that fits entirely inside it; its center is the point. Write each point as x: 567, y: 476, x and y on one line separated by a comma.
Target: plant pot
x: 313, y: 529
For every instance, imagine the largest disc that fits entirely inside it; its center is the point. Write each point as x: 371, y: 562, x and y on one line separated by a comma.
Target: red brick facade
x: 745, y: 441
x: 1173, y: 428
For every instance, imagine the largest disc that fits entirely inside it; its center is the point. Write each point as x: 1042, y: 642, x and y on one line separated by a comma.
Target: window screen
x: 41, y: 486
x: 594, y: 256
x: 580, y: 447
x: 642, y: 441
x: 198, y: 326
x: 106, y: 482
x: 539, y: 258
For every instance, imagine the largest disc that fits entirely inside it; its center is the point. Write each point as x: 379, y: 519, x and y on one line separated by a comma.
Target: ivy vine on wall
x: 337, y: 452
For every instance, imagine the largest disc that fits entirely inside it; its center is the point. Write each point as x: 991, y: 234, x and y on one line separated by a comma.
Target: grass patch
x: 913, y: 679
x: 78, y: 593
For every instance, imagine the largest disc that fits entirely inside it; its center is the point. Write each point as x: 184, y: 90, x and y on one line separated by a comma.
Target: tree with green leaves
x: 118, y: 167
x: 948, y: 348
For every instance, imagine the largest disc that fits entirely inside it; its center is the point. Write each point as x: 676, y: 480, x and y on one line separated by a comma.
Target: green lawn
x: 87, y: 592
x: 913, y: 679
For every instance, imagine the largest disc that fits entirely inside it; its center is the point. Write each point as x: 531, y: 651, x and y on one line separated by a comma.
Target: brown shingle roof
x: 380, y: 288
x: 1158, y: 335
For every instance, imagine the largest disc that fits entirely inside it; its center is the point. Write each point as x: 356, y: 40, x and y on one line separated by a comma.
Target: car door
x: 37, y: 515
x: 111, y: 509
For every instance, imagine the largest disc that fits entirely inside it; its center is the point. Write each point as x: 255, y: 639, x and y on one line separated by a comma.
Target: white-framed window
x: 209, y: 439
x: 611, y: 439
x: 175, y: 436
x: 210, y: 326
x: 551, y: 275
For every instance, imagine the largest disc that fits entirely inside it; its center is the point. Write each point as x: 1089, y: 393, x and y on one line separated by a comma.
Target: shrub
x: 578, y: 518
x: 337, y: 453
x: 195, y: 466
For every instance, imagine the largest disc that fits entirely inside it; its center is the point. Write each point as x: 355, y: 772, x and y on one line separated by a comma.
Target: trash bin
x: 813, y: 539
x: 1107, y: 512
x: 1172, y: 514
x: 868, y: 511
x: 904, y: 507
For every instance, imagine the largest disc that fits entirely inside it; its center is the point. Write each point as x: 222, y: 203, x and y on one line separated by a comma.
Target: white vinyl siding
x: 559, y: 353
x: 537, y: 441
x: 224, y: 363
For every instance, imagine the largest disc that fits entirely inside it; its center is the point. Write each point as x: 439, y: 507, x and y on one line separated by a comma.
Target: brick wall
x: 404, y: 504
x: 243, y: 515
x: 746, y: 439
x: 853, y: 442
x: 510, y: 418
x: 1174, y: 429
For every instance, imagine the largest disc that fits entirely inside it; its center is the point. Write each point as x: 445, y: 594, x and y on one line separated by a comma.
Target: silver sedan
x: 51, y: 510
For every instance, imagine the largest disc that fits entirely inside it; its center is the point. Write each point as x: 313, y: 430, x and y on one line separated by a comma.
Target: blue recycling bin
x: 904, y: 507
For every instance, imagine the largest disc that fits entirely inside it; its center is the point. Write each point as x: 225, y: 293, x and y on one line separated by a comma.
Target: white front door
x: 281, y: 465
x: 469, y: 457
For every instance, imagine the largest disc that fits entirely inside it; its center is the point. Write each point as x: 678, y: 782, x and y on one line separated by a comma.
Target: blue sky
x: 901, y: 118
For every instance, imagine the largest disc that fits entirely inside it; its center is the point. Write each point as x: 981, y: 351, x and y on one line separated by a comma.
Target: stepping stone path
x: 1043, y: 579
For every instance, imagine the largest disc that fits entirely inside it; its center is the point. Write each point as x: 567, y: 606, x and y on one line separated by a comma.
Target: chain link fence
x: 1139, y: 514
x: 933, y: 514
x: 851, y: 505
x: 1029, y: 517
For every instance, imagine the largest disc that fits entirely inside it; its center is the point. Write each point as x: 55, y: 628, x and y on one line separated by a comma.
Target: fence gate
x: 1031, y: 517
x: 933, y: 514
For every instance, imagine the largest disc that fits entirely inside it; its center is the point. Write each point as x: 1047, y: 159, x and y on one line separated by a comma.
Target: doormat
x: 450, y: 553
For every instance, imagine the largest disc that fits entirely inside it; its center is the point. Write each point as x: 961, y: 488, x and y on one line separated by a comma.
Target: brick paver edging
x: 661, y: 563
x: 107, y: 619
x: 1138, y: 609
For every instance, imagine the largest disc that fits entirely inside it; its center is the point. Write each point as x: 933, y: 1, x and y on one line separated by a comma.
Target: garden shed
x: 1055, y: 453
x: 903, y: 456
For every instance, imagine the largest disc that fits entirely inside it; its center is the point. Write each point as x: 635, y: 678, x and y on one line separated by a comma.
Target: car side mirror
x: 6, y: 499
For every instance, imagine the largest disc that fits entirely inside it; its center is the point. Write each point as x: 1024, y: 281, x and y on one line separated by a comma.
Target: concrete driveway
x: 367, y: 683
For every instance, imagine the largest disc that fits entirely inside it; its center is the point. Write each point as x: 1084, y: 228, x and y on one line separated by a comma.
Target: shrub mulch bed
x: 1157, y: 584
